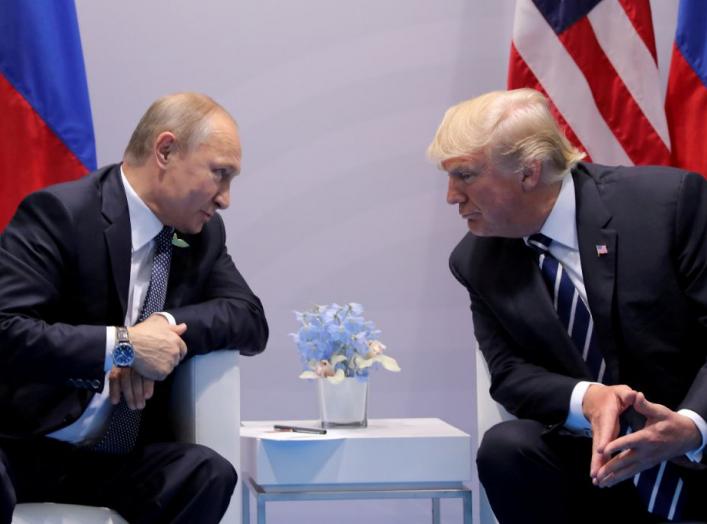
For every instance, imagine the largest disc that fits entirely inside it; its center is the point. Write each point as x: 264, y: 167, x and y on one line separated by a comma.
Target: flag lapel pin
x: 601, y: 249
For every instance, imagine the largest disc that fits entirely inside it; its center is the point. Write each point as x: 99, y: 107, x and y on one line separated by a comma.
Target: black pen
x: 298, y: 429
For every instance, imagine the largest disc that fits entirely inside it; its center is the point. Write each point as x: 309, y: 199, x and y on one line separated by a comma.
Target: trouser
x: 532, y: 475
x: 166, y: 482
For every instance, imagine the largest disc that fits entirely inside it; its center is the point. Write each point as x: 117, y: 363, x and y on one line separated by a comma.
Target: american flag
x: 596, y: 62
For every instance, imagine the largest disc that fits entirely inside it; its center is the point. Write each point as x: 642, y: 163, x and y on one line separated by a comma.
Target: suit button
x: 80, y: 383
x: 96, y: 384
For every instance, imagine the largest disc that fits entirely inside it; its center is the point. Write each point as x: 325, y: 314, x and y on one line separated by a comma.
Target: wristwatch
x: 123, y: 352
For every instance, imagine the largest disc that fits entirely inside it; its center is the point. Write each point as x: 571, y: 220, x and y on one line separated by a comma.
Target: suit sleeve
x: 691, y: 235
x: 228, y: 315
x: 35, y: 256
x: 520, y: 382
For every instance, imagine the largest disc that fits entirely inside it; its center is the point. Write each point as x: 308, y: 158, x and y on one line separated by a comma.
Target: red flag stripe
x: 632, y: 60
x: 614, y: 101
x: 639, y: 11
x: 520, y: 75
x: 31, y: 159
x: 686, y: 107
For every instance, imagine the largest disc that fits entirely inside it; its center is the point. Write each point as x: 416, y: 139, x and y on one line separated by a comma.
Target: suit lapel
x: 597, y: 250
x: 114, y: 207
x: 522, y: 291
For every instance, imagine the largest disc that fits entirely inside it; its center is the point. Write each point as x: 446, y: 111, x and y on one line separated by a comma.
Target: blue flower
x: 336, y: 341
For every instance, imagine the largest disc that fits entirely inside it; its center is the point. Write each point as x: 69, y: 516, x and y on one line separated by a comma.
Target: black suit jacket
x: 647, y: 295
x: 64, y: 276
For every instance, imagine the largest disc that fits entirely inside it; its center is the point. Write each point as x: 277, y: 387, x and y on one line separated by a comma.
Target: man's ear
x: 165, y: 146
x: 531, y: 175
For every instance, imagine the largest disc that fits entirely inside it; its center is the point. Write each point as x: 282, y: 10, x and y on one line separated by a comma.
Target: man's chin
x: 477, y: 229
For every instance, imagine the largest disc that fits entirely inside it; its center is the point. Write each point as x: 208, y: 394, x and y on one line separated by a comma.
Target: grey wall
x: 337, y: 102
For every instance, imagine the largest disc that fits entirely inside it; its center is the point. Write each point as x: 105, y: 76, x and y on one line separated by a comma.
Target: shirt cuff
x: 696, y: 454
x: 110, y: 344
x: 576, y: 421
x: 168, y: 316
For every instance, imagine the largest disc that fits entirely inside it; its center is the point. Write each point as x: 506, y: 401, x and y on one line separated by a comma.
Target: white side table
x: 391, y: 458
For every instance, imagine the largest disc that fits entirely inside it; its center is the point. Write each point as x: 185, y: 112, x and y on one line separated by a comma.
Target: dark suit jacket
x: 64, y: 276
x: 648, y: 295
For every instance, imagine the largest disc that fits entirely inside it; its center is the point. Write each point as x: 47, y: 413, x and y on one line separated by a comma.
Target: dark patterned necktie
x: 124, y: 425
x: 570, y: 307
x: 660, y: 487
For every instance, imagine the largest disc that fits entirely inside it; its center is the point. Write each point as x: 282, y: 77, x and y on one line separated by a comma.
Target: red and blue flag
x: 46, y: 130
x: 686, y: 100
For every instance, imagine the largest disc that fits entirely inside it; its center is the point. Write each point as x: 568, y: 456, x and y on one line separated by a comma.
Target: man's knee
x: 212, y: 467
x: 8, y: 498
x: 507, y: 446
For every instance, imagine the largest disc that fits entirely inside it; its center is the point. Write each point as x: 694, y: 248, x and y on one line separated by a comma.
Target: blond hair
x: 512, y: 129
x: 186, y: 115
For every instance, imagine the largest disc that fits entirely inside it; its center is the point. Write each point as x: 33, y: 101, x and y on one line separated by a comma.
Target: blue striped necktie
x: 660, y: 487
x: 124, y: 425
x: 570, y: 307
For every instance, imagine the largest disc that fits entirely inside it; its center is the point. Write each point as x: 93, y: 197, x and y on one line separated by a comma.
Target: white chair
x: 206, y: 410
x: 488, y: 413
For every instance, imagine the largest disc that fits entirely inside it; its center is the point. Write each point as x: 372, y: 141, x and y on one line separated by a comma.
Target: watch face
x: 123, y: 355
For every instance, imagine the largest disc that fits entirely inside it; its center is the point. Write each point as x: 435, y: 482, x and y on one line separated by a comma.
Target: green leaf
x: 178, y: 241
x: 336, y: 359
x: 387, y: 362
x: 363, y: 363
x: 338, y: 377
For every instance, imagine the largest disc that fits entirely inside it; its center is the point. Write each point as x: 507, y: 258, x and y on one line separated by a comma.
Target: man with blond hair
x: 588, y: 289
x: 106, y: 285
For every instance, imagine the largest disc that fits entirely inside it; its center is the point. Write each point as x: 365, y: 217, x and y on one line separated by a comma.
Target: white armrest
x: 206, y: 409
x: 488, y: 413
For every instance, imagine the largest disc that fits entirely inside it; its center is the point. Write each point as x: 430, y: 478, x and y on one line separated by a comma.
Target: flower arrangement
x: 336, y: 342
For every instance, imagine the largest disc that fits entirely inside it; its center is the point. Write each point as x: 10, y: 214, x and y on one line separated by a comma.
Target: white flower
x: 376, y: 347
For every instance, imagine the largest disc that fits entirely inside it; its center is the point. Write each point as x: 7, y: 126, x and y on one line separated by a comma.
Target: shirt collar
x: 563, y: 213
x: 144, y: 224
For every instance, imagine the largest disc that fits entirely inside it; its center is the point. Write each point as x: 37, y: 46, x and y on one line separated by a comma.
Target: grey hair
x: 186, y: 115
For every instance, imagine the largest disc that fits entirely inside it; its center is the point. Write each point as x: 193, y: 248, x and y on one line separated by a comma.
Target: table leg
x: 261, y: 510
x: 467, y: 507
x: 245, y: 504
x: 435, y: 510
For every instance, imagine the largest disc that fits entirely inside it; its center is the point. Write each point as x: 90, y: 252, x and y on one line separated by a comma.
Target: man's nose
x: 454, y: 195
x: 223, y: 198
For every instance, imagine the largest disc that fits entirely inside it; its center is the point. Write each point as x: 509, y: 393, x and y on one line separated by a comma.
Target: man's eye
x: 220, y: 173
x: 465, y: 176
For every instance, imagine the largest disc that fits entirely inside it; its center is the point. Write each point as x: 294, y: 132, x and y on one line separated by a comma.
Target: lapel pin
x: 601, y: 249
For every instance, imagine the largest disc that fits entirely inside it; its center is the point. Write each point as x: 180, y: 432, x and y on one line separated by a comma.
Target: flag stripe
x: 614, y: 101
x: 690, y: 36
x: 639, y: 14
x: 519, y: 74
x: 632, y: 60
x: 685, y: 108
x: 564, y: 83
x: 22, y: 172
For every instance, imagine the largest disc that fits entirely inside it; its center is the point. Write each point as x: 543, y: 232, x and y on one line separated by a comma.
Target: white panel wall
x: 337, y: 102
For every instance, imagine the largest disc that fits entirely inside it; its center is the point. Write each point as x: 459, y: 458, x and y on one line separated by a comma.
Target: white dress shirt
x: 565, y: 248
x: 144, y: 227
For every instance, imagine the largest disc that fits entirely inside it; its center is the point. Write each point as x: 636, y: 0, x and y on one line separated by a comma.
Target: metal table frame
x: 411, y: 490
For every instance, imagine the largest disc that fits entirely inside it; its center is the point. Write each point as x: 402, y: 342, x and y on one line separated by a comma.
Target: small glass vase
x: 343, y: 405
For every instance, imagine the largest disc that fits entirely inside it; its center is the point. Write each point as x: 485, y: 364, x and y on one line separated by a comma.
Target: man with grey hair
x: 588, y: 289
x: 106, y: 285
